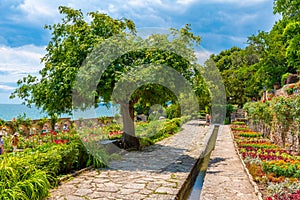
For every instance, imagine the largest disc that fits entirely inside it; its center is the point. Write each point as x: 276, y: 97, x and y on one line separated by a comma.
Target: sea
x: 10, y: 111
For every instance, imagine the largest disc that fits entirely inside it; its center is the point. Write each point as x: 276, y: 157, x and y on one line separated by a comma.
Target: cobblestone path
x: 157, y: 172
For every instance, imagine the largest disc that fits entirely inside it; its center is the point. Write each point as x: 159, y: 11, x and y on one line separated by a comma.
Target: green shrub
x: 22, y: 180
x: 144, y: 142
x: 153, y: 116
x: 160, y: 129
x: 173, y: 111
x: 31, y: 173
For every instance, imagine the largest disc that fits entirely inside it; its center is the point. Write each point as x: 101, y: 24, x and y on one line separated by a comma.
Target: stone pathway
x: 157, y: 172
x: 225, y: 178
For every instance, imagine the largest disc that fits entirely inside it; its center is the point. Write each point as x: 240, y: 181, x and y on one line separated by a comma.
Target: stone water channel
x: 166, y: 170
x: 201, y: 166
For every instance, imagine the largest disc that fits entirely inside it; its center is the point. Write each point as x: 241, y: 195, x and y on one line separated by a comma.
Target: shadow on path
x: 215, y: 161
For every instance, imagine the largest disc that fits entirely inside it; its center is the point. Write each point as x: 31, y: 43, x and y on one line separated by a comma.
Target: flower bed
x: 31, y: 173
x: 43, y: 158
x: 274, y: 169
x: 250, y: 134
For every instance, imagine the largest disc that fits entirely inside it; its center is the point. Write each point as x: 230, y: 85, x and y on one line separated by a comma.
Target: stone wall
x: 36, y: 126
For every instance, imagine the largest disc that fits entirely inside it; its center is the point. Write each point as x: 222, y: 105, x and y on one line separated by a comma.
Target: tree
x: 262, y: 63
x: 287, y: 8
x: 234, y: 65
x: 150, y: 71
x: 76, y: 43
x: 292, y: 36
x: 272, y: 63
x: 72, y: 40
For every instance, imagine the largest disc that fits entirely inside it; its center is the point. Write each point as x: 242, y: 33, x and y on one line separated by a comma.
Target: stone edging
x: 256, y: 190
x: 66, y: 177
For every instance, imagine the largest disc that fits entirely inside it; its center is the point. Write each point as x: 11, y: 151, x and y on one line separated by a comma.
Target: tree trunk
x: 129, y: 139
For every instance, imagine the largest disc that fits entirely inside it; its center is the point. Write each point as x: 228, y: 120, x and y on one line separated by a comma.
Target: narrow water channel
x: 195, y: 191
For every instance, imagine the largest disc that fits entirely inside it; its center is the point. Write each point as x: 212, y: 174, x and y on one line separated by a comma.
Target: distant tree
x: 234, y: 65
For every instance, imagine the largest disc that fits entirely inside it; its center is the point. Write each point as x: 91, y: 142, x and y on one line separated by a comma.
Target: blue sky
x: 221, y: 24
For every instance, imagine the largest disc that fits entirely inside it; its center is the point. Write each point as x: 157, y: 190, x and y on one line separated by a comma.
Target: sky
x: 220, y: 23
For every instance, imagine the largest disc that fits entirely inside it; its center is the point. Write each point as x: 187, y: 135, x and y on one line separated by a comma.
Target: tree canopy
x: 72, y: 40
x: 267, y: 57
x: 76, y: 43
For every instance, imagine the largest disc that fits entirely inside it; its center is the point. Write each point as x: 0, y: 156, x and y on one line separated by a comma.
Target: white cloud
x: 16, y: 63
x: 237, y: 18
x: 236, y: 2
x: 46, y: 11
x: 137, y: 3
x: 186, y: 2
x: 19, y: 61
x: 4, y: 99
x: 38, y: 12
x: 144, y: 4
x: 202, y: 55
x: 6, y: 87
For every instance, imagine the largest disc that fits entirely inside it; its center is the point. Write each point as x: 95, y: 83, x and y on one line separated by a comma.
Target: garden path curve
x: 157, y: 172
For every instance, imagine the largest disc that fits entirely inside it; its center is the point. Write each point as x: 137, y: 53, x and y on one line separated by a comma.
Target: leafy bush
x: 154, y: 116
x: 111, y: 127
x: 160, y: 129
x: 31, y: 173
x: 173, y: 111
x: 22, y: 180
x: 289, y: 91
x: 250, y: 134
x: 289, y: 168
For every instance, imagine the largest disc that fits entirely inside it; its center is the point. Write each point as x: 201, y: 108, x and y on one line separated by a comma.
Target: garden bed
x: 46, y: 159
x: 275, y: 170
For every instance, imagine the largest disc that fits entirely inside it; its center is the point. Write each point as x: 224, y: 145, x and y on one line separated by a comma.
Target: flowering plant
x: 287, y: 168
x: 249, y: 134
x: 115, y: 135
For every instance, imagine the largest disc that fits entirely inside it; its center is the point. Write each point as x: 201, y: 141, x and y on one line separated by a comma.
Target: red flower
x: 53, y: 132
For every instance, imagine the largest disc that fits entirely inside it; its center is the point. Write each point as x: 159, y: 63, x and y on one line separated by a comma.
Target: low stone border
x: 256, y: 190
x: 68, y: 176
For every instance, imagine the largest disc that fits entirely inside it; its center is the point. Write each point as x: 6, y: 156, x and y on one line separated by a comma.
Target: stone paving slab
x: 226, y: 177
x: 157, y: 172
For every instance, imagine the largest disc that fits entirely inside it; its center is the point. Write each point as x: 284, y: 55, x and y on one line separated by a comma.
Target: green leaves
x: 287, y: 8
x: 20, y: 180
x: 71, y: 41
x: 30, y: 174
x: 292, y: 35
x: 282, y: 113
x: 267, y: 57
